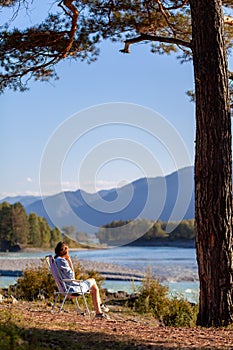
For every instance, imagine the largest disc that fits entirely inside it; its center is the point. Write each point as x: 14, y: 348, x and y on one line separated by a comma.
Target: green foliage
x: 19, y: 219
x: 45, y: 233
x: 127, y: 231
x: 180, y: 313
x: 156, y: 231
x: 74, y: 32
x: 10, y: 338
x: 5, y: 221
x: 34, y: 230
x: 35, y: 281
x: 185, y: 230
x: 17, y: 228
x: 55, y: 236
x: 122, y: 232
x: 154, y: 299
x: 14, y: 225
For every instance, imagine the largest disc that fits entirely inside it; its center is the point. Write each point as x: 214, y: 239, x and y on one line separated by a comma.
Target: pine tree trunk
x: 213, y: 165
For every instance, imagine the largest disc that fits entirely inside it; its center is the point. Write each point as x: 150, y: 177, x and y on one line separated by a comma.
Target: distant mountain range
x: 164, y: 198
x: 24, y: 200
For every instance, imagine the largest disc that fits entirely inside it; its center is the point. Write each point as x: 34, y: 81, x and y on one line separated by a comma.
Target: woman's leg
x: 95, y: 294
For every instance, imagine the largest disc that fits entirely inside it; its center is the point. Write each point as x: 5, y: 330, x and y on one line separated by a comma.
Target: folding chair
x: 64, y: 289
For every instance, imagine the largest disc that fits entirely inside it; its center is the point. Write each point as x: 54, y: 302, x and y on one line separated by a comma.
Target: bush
x: 152, y: 298
x: 37, y: 282
x: 181, y: 313
x: 175, y: 311
x: 34, y: 282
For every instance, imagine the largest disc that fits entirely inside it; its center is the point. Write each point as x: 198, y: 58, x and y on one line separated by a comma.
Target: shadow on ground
x: 13, y: 337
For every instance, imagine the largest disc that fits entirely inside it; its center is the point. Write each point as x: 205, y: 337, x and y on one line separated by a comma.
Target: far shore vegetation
x: 156, y: 233
x: 18, y: 230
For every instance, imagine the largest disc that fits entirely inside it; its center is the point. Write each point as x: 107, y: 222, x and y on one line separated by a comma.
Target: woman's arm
x: 68, y: 259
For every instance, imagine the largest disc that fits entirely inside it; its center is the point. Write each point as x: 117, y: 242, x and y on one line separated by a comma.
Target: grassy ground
x: 31, y: 326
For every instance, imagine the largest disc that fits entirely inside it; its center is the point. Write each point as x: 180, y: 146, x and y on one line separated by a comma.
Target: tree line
x: 123, y: 232
x: 17, y: 229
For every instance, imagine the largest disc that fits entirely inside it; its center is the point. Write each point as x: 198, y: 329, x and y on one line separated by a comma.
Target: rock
x: 41, y: 296
x: 121, y: 294
x: 134, y: 295
x: 1, y: 298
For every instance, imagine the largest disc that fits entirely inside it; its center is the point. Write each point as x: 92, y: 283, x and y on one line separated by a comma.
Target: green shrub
x: 34, y: 282
x: 181, y: 313
x: 154, y: 299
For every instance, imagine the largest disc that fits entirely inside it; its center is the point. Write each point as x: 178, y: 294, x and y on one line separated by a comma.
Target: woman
x: 66, y: 269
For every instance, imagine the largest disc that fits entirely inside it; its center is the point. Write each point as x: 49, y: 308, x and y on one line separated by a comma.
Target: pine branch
x: 166, y: 16
x: 148, y: 37
x: 43, y: 61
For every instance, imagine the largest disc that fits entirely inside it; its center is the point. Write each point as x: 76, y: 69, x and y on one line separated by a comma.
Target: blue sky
x: 29, y: 120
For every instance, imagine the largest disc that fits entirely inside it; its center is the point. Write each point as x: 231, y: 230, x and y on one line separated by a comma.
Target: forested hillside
x: 17, y: 229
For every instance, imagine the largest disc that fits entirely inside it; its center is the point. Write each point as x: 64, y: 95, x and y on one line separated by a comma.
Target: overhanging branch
x: 74, y: 16
x: 44, y: 61
x: 148, y: 37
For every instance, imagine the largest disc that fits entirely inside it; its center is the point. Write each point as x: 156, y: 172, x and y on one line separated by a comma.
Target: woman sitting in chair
x: 65, y: 266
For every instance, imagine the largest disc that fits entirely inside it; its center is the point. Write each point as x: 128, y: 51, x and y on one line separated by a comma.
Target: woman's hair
x: 61, y: 249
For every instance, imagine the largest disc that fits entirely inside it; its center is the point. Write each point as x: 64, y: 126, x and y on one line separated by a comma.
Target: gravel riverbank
x: 110, y: 271
x: 14, y: 267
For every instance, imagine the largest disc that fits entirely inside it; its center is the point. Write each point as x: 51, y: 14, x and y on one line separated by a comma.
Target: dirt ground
x: 124, y: 331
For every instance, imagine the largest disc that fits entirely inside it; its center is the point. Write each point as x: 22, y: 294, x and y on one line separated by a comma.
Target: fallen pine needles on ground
x: 31, y: 326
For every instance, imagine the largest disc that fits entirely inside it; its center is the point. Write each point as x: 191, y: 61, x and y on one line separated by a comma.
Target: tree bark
x: 213, y: 165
